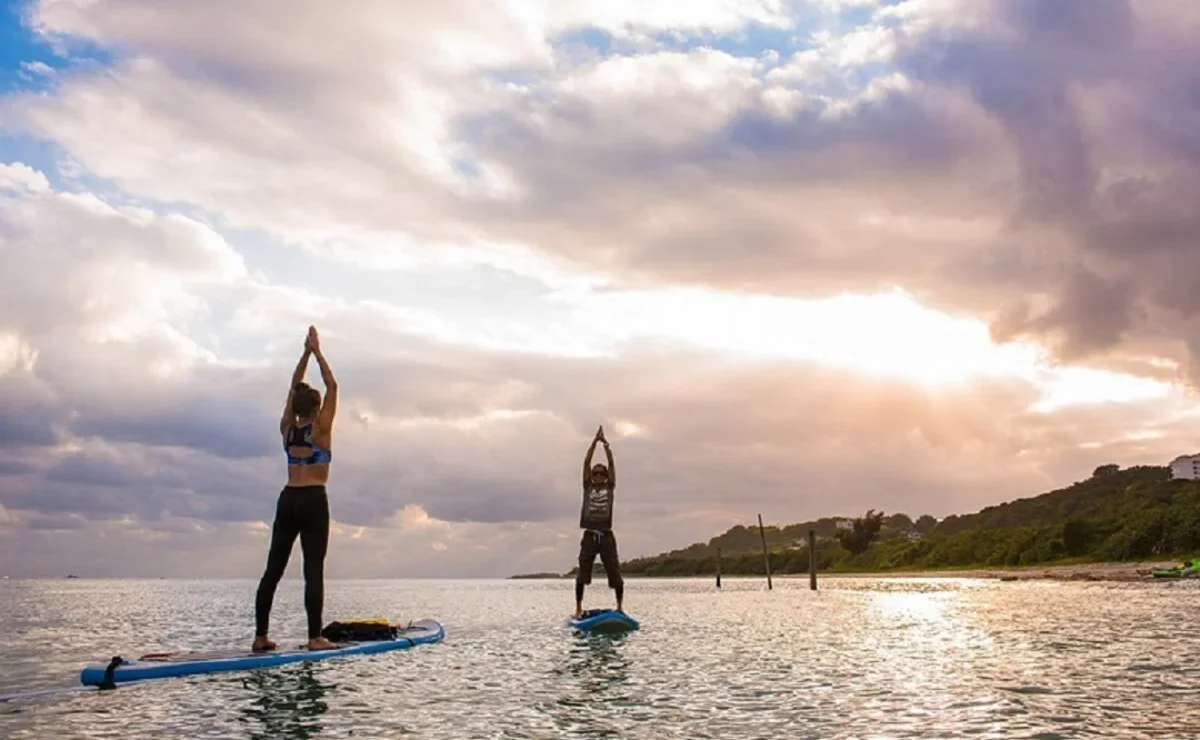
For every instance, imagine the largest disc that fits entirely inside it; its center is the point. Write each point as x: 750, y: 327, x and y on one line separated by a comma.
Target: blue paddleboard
x: 604, y: 621
x: 167, y: 665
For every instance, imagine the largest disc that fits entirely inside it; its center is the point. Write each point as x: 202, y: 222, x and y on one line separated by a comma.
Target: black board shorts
x: 603, y: 544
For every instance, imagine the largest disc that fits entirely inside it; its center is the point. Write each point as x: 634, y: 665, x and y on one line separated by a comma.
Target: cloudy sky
x: 800, y: 257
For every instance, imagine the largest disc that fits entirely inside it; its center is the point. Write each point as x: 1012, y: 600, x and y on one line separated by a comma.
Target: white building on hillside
x: 1186, y: 467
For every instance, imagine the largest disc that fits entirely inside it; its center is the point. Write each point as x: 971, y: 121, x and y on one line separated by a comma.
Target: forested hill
x: 1116, y: 514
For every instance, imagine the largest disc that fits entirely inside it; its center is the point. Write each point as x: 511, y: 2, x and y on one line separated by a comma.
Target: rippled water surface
x: 859, y: 658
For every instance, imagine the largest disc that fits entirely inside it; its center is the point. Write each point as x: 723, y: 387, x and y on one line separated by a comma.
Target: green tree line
x: 1132, y: 514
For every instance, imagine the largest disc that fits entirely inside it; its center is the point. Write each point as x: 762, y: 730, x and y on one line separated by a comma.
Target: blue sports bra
x: 302, y: 437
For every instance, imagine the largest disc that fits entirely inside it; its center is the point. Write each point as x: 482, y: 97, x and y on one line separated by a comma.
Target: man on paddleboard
x: 303, y: 506
x: 595, y: 520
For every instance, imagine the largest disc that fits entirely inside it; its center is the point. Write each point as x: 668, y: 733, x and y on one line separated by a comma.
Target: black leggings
x: 303, y: 511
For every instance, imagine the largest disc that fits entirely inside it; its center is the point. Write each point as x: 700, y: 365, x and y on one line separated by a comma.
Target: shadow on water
x: 594, y: 676
x: 287, y: 704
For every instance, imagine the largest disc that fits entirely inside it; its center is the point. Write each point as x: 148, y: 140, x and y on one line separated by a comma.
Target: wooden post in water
x: 718, y: 567
x: 812, y: 559
x: 766, y: 560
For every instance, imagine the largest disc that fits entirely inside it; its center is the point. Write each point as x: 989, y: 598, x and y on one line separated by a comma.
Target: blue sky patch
x: 39, y: 155
x: 20, y: 46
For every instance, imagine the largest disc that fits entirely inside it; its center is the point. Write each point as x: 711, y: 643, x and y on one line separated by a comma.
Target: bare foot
x: 262, y: 645
x: 320, y: 643
x: 578, y: 614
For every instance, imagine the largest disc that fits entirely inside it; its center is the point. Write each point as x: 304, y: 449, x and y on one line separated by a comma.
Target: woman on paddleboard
x: 595, y: 520
x: 303, y: 506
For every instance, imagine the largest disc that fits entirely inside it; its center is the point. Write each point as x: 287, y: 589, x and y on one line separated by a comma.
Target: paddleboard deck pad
x: 169, y: 665
x: 604, y: 621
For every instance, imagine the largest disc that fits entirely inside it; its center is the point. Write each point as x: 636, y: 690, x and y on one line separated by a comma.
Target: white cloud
x: 414, y: 517
x: 74, y: 260
x: 711, y: 15
x: 15, y: 354
x: 663, y: 99
x: 17, y: 176
x: 376, y: 144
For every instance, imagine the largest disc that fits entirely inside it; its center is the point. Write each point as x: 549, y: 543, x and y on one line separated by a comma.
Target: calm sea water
x: 859, y: 658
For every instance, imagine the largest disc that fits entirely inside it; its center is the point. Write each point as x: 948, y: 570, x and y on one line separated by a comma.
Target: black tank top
x: 597, y: 511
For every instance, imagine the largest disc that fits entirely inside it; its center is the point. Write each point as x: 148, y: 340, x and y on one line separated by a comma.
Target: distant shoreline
x: 1098, y: 571
x: 1101, y: 571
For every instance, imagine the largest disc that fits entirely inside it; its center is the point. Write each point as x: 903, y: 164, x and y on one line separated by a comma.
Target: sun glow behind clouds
x: 889, y: 334
x: 886, y: 335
